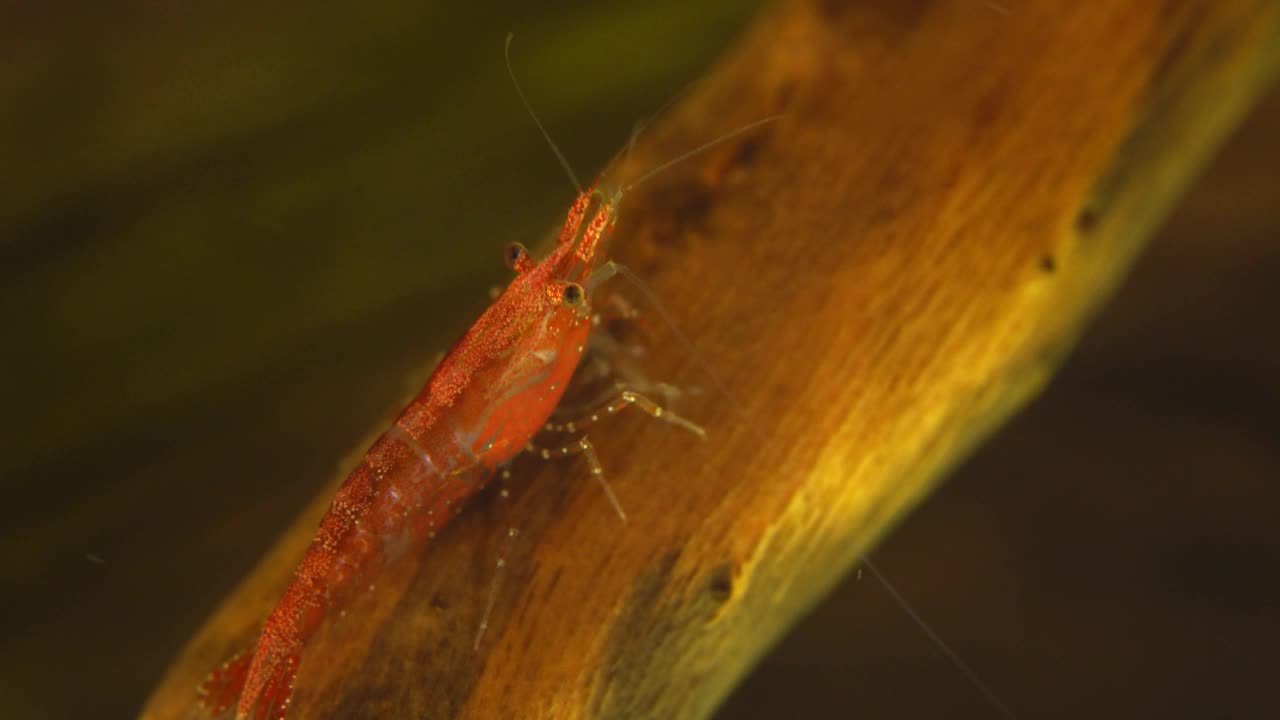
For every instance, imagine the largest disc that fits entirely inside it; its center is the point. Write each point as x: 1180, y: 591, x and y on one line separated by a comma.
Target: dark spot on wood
x: 1192, y: 47
x: 644, y: 606
x: 359, y: 701
x: 682, y: 207
x: 440, y: 602
x: 646, y: 620
x: 988, y: 110
x: 648, y: 590
x: 720, y: 585
x: 694, y: 206
x: 1087, y: 220
x: 747, y: 151
x: 1048, y: 263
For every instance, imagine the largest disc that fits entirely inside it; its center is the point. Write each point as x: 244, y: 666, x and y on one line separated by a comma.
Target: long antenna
x: 701, y: 148
x: 644, y: 123
x: 506, y: 52
x: 701, y: 361
x: 631, y: 144
x: 937, y: 640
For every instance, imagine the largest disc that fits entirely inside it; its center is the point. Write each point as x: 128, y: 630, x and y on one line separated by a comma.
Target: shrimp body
x: 481, y: 406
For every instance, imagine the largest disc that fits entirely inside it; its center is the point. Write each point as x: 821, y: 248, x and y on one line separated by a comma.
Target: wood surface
x: 1112, y: 550
x: 879, y: 279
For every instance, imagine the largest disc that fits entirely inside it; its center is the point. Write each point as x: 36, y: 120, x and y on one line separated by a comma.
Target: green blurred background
x: 231, y: 237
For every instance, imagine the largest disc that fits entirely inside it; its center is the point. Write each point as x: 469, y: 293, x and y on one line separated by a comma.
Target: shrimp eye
x: 572, y: 294
x: 515, y: 256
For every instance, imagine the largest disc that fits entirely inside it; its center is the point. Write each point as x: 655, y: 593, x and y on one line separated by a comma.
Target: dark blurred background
x: 231, y: 237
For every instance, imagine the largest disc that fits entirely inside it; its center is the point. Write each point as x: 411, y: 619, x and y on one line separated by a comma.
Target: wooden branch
x: 879, y: 278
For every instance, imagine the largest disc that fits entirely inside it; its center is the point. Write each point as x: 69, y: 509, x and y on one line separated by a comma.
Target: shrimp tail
x: 265, y: 698
x: 269, y: 688
x: 268, y: 682
x: 221, y: 690
x: 257, y: 683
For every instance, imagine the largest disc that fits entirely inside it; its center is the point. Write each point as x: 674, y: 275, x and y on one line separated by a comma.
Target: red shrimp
x: 481, y: 406
x: 492, y: 392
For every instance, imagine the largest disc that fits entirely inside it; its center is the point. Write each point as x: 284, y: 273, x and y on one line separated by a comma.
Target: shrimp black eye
x: 573, y: 294
x: 515, y: 255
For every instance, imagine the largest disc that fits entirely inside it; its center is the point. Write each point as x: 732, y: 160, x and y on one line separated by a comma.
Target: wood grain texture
x: 879, y: 278
x: 1112, y: 549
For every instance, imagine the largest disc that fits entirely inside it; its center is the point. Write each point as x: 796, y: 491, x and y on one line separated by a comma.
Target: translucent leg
x: 500, y: 565
x: 582, y: 446
x: 625, y: 399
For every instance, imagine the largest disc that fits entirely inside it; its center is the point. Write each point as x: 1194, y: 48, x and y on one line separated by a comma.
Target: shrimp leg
x: 500, y: 565
x: 582, y: 446
x: 625, y: 399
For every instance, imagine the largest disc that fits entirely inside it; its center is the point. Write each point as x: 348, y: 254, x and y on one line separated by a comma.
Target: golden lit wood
x: 880, y: 278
